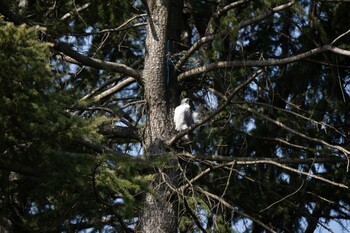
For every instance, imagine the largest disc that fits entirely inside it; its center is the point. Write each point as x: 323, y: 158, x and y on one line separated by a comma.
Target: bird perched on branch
x: 183, y: 117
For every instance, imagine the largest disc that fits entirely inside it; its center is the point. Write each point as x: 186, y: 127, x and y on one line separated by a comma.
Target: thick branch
x: 96, y: 63
x: 119, y: 131
x: 114, y: 89
x: 261, y: 63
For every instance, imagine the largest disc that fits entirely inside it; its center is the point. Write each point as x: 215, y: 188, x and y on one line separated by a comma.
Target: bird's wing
x: 188, y: 116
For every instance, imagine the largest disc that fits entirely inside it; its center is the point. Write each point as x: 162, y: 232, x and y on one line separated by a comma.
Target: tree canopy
x: 88, y: 92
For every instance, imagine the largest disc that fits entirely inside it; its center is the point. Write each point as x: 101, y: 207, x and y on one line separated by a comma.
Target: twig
x: 340, y: 36
x: 284, y: 198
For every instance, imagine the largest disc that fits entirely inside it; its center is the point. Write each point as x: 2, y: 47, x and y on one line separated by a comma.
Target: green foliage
x: 53, y: 180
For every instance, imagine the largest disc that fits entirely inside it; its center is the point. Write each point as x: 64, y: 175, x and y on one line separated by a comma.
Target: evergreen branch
x: 242, y: 24
x: 9, y: 15
x: 101, y: 148
x: 119, y: 131
x: 193, y: 216
x: 235, y: 209
x: 12, y: 166
x: 96, y: 63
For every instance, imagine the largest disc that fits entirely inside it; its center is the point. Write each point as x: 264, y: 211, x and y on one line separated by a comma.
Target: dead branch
x: 124, y: 26
x: 284, y: 198
x: 230, y: 6
x: 272, y: 161
x: 241, y: 160
x: 78, y: 9
x: 96, y: 63
x: 114, y: 89
x: 261, y: 63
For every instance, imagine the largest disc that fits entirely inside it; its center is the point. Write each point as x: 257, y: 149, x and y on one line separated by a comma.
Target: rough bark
x: 160, y: 214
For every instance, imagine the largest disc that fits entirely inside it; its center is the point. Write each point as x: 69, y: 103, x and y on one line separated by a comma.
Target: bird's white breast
x: 180, y: 116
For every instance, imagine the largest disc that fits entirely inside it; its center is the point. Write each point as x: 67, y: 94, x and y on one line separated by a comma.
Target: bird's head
x: 185, y: 101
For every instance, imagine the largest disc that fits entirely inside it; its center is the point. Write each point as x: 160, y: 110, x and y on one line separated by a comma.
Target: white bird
x: 183, y: 117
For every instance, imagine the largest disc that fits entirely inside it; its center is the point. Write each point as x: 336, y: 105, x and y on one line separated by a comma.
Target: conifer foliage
x: 88, y: 91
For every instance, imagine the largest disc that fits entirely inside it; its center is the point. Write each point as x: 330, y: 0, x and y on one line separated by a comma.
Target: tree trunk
x: 160, y: 213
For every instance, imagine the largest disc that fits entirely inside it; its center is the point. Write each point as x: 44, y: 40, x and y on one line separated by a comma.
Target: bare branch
x: 230, y: 6
x: 273, y: 161
x: 67, y: 15
x: 96, y: 63
x: 114, y: 89
x: 340, y: 36
x: 284, y: 198
x: 261, y: 63
x: 251, y: 160
x: 123, y: 26
x: 101, y: 148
